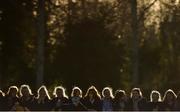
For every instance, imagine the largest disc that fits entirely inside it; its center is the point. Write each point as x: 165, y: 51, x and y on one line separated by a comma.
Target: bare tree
x: 40, y: 42
x: 135, y: 37
x: 135, y: 62
x: 1, y: 63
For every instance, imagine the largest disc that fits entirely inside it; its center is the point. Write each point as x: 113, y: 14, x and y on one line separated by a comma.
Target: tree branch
x: 167, y: 4
x: 145, y: 9
x: 57, y: 6
x: 51, y: 3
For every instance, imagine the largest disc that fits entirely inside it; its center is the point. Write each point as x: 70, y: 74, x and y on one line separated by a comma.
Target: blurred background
x: 117, y: 43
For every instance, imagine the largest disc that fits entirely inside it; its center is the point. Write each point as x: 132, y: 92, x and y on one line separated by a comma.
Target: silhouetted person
x: 169, y: 100
x: 42, y: 101
x: 155, y: 103
x: 60, y: 101
x: 92, y: 100
x: 26, y: 97
x: 11, y: 98
x: 137, y: 102
x: 76, y: 103
x: 1, y: 101
x: 177, y: 102
x: 120, y: 101
x: 107, y: 99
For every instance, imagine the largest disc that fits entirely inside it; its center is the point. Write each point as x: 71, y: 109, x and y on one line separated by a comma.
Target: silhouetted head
x: 59, y: 92
x: 12, y: 91
x: 136, y: 93
x: 77, y: 92
x: 25, y: 91
x: 43, y: 92
x: 120, y: 95
x: 92, y: 92
x: 107, y: 92
x: 169, y: 96
x: 155, y: 96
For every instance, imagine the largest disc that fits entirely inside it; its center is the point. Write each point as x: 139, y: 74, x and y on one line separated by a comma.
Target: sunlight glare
x: 74, y: 1
x: 156, y: 6
x: 34, y: 13
x: 63, y: 2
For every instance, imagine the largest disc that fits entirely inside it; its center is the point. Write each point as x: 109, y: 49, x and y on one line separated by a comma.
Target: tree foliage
x: 89, y: 42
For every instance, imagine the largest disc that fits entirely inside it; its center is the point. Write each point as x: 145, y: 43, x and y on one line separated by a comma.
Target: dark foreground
x: 22, y: 99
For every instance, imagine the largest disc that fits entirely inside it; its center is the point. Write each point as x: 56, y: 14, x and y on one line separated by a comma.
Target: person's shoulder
x: 85, y: 98
x: 160, y: 103
x: 54, y: 99
x: 6, y: 96
x: 35, y: 100
x: 81, y: 98
x: 16, y: 98
x: 70, y: 98
x: 144, y: 99
x: 129, y: 100
x: 32, y: 96
x: 47, y: 99
x: 66, y: 99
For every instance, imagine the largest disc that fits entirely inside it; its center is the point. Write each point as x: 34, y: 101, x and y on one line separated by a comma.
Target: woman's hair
x: 43, y: 87
x: 1, y: 93
x: 107, y: 89
x: 76, y: 89
x: 178, y: 96
x: 11, y: 89
x: 25, y: 87
x: 119, y: 94
x: 60, y: 88
x: 95, y: 92
x: 155, y: 92
x: 169, y: 91
x: 137, y: 90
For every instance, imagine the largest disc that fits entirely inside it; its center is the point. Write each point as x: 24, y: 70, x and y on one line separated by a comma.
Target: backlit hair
x: 96, y: 93
x: 60, y: 88
x: 119, y: 94
x: 11, y: 88
x: 155, y: 92
x: 108, y: 89
x: 2, y: 93
x: 43, y: 87
x: 76, y: 88
x: 138, y: 90
x: 27, y: 87
x: 169, y: 91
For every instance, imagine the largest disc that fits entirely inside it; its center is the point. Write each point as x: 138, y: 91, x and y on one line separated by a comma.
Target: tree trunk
x: 70, y: 11
x: 1, y: 64
x: 135, y: 61
x: 40, y: 42
x: 84, y: 11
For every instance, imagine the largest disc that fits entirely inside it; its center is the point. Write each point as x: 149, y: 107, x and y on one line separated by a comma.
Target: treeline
x: 24, y: 100
x: 90, y: 42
